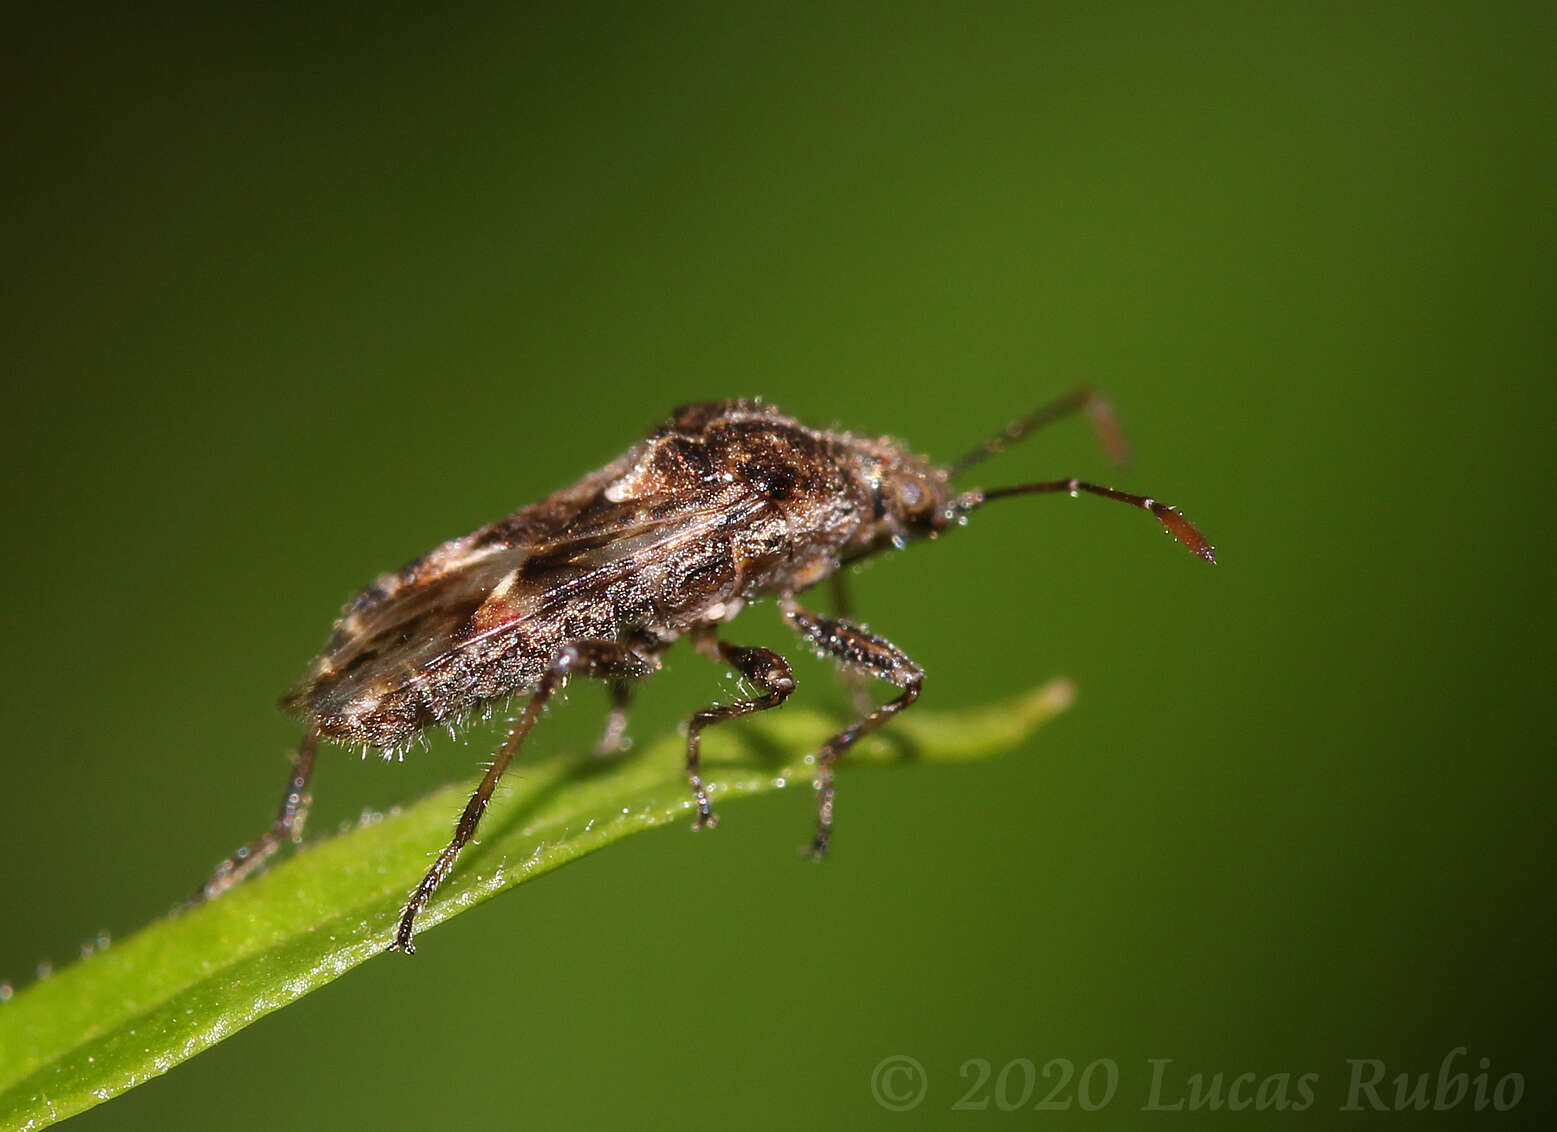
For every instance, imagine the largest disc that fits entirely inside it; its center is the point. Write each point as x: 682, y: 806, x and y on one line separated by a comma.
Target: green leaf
x: 134, y: 1011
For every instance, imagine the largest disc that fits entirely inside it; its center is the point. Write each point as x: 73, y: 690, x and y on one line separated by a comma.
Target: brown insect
x: 726, y: 502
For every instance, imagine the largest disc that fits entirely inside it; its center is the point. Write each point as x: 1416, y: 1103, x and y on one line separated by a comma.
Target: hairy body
x: 725, y: 502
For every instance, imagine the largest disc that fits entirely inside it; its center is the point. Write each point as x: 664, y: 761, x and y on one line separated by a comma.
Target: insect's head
x: 910, y: 497
x: 903, y: 497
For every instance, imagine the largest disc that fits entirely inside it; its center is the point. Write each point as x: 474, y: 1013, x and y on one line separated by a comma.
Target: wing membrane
x: 471, y: 589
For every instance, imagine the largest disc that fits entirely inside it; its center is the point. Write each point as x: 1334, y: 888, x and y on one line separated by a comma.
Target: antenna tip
x: 1185, y: 531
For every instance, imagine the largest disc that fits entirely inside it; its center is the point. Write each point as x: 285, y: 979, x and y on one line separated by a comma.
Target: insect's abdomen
x: 444, y: 647
x: 384, y: 700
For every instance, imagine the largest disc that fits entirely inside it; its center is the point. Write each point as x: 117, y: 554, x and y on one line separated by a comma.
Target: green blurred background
x: 293, y: 295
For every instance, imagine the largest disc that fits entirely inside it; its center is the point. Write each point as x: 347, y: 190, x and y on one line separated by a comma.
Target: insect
x: 726, y: 502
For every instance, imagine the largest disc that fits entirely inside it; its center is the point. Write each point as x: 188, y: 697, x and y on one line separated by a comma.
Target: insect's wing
x: 473, y: 590
x: 396, y: 628
x: 608, y: 544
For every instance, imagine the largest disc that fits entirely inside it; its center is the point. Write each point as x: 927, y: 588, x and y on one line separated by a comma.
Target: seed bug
x: 727, y: 502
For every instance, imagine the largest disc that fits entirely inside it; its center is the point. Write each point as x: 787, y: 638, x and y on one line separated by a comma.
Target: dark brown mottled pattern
x: 726, y: 501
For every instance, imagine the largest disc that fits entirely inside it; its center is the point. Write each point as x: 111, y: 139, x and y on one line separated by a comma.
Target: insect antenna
x: 1083, y: 399
x: 1177, y: 526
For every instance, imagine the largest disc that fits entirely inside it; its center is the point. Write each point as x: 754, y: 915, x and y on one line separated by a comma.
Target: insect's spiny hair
x: 457, y: 725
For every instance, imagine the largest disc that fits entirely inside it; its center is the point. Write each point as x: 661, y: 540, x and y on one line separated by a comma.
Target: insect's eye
x: 911, y: 499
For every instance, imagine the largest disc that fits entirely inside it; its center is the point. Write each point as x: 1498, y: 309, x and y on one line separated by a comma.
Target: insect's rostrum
x: 726, y: 502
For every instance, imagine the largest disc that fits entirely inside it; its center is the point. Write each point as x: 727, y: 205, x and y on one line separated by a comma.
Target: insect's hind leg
x: 600, y: 659
x: 856, y: 648
x: 775, y: 681
x: 288, y: 827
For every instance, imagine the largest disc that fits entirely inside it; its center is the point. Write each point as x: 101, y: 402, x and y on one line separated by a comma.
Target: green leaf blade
x: 133, y: 1011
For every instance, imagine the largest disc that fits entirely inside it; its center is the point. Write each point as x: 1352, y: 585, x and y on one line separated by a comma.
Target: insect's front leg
x: 766, y: 669
x: 601, y: 659
x: 856, y: 648
x: 288, y: 827
x: 854, y: 681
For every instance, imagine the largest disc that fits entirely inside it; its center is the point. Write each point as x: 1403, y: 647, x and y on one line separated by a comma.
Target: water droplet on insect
x: 6, y: 991
x: 899, y: 542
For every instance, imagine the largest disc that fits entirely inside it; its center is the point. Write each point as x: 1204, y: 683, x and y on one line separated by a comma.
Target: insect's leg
x: 600, y: 659
x: 613, y: 737
x: 852, y: 647
x: 766, y: 669
x: 853, y: 680
x: 288, y: 827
